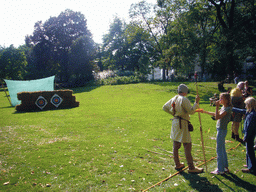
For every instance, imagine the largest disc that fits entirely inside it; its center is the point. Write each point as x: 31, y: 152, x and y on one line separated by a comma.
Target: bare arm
x: 209, y: 113
x: 219, y: 115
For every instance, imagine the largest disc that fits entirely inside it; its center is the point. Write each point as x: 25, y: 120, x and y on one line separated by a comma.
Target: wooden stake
x: 201, y: 131
x: 6, y: 94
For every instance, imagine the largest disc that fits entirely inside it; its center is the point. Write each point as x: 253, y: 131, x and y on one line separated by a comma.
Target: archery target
x: 56, y: 100
x: 41, y: 102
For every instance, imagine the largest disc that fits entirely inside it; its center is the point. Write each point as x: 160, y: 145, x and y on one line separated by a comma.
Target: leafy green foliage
x: 119, y: 80
x: 12, y: 63
x: 126, y: 47
x: 81, y: 58
x: 51, y: 43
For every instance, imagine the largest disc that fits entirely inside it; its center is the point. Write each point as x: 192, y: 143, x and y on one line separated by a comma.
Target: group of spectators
x: 238, y: 96
x: 236, y: 103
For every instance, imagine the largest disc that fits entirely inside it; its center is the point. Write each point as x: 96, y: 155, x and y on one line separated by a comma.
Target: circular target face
x: 41, y: 102
x: 56, y: 100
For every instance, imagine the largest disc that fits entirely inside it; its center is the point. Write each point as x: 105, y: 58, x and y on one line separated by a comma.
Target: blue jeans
x: 250, y: 155
x: 222, y: 160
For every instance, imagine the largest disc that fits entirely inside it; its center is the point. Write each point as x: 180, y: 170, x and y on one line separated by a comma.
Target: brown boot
x: 196, y: 170
x: 179, y: 167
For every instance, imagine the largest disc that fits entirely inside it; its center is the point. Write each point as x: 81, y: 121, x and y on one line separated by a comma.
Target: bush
x: 118, y: 80
x: 181, y: 79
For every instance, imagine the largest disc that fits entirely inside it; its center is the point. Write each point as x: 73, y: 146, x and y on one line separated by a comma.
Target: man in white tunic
x: 180, y: 107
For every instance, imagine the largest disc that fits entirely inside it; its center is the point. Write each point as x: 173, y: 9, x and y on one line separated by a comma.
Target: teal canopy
x: 16, y: 86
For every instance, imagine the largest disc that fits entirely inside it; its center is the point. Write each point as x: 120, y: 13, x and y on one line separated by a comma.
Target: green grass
x: 108, y: 144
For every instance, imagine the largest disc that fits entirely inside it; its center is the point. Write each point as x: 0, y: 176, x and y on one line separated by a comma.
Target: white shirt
x: 183, y: 109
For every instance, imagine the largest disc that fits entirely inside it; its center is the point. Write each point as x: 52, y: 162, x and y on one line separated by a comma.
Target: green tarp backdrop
x: 16, y: 86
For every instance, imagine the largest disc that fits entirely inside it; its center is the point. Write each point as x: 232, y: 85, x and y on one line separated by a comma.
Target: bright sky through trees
x: 19, y: 16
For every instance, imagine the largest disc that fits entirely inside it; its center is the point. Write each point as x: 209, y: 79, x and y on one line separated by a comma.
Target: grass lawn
x: 118, y: 139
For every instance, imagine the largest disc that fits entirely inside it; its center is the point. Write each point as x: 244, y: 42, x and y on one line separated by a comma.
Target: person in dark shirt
x: 249, y: 132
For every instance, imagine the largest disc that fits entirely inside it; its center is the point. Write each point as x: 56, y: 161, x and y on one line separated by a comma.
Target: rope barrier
x: 232, y: 148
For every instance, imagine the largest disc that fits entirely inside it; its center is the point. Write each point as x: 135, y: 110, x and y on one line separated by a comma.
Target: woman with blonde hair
x: 249, y: 132
x: 238, y: 102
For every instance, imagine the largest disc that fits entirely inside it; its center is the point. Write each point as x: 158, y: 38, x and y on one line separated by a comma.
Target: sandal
x: 216, y: 172
x: 196, y: 170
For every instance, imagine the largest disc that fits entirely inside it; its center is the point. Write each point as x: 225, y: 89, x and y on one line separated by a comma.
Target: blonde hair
x: 251, y: 104
x: 236, y: 92
x: 227, y: 98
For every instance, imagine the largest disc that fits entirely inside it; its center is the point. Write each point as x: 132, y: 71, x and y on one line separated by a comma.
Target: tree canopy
x: 12, y: 63
x: 217, y: 35
x: 52, y: 44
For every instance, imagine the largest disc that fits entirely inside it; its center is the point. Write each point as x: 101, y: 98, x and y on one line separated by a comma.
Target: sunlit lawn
x: 118, y: 139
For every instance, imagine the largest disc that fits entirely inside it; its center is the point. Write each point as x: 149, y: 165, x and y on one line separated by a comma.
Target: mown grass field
x: 118, y: 139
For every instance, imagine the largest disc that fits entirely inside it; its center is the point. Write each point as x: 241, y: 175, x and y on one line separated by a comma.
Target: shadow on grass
x: 200, y: 183
x: 86, y: 88
x: 239, y: 182
x: 7, y: 107
x: 165, y: 83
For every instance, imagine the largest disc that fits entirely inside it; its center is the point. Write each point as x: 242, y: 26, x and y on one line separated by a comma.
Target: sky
x: 19, y: 16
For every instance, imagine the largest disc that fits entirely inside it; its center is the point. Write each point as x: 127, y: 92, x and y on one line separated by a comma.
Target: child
x: 249, y: 132
x: 223, y: 116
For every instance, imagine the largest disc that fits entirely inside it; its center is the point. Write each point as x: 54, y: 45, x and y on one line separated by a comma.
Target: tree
x: 142, y: 14
x: 52, y: 40
x: 81, y: 57
x: 139, y: 48
x: 200, y: 23
x: 12, y: 63
x: 114, y: 45
x: 159, y: 24
x: 237, y: 20
x: 127, y: 47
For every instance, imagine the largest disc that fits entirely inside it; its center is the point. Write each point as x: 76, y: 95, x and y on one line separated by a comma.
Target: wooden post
x: 201, y: 131
x: 6, y: 94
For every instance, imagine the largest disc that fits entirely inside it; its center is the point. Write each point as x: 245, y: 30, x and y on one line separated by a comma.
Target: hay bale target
x: 46, y: 100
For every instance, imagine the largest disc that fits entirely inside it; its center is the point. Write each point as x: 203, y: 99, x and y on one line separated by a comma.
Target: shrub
x: 119, y: 80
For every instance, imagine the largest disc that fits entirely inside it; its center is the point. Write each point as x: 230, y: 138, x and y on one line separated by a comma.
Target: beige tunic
x: 183, y: 109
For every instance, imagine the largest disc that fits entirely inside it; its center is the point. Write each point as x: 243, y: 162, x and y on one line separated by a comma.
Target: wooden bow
x: 201, y: 131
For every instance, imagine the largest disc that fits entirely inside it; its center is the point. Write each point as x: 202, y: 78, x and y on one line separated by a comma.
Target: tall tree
x: 139, y: 48
x: 143, y: 14
x: 159, y: 22
x: 52, y: 40
x: 237, y: 19
x: 115, y: 45
x: 200, y: 20
x: 12, y: 63
x: 81, y: 57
